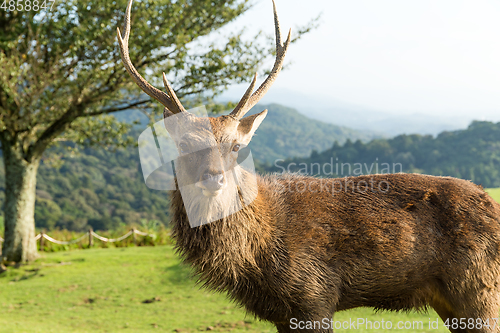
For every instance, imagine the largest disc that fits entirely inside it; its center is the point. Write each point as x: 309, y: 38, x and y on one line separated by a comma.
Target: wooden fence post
x: 135, y: 236
x: 91, y: 238
x: 41, y: 241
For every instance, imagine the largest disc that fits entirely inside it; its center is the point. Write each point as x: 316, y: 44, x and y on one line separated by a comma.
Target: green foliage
x: 101, y: 130
x: 472, y: 154
x: 136, y: 289
x: 47, y: 213
x: 102, y: 189
x: 150, y: 226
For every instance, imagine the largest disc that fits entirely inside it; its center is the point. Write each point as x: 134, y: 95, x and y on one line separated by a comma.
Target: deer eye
x: 183, y: 147
x: 236, y: 147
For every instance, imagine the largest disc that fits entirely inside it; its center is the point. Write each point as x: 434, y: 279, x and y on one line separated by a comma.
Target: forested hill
x: 95, y: 187
x: 473, y: 153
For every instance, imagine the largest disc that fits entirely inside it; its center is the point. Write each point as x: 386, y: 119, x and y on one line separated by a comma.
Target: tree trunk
x: 19, y: 209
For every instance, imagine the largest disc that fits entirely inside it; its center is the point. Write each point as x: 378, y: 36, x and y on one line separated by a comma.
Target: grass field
x: 495, y: 193
x: 134, y: 289
x: 140, y: 289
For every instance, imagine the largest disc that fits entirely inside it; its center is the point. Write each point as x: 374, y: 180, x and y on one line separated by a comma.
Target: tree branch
x: 36, y: 149
x: 110, y: 110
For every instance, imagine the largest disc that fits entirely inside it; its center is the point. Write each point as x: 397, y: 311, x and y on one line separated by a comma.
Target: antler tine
x: 268, y: 82
x: 170, y: 100
x: 240, y: 109
x: 171, y: 93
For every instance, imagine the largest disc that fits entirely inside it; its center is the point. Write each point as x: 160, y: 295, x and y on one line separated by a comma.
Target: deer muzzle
x: 212, y: 184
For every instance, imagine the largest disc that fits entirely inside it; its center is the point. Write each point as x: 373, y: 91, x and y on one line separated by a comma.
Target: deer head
x: 209, y: 173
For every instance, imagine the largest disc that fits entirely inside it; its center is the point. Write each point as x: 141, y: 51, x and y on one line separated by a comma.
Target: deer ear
x: 249, y: 125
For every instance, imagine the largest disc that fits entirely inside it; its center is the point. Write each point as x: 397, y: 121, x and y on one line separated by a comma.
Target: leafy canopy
x: 60, y: 67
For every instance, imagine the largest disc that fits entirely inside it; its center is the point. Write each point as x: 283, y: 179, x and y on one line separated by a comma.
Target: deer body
x: 427, y: 241
x: 299, y: 248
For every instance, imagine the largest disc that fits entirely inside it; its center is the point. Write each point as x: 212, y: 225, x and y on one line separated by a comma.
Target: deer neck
x: 222, y: 250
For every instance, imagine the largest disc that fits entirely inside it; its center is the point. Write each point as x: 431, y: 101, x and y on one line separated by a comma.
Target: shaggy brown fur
x: 302, y: 250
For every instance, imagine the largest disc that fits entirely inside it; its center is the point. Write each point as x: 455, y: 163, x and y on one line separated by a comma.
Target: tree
x: 61, y: 76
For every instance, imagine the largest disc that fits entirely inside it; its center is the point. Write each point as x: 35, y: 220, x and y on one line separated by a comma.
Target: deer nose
x: 213, y: 182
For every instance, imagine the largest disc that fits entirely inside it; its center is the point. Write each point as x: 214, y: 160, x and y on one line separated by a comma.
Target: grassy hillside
x: 133, y: 290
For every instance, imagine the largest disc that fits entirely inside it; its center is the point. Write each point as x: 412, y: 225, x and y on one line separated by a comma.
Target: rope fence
x: 90, y: 235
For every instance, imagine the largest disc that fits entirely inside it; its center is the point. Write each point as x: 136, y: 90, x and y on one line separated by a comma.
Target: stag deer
x: 294, y: 258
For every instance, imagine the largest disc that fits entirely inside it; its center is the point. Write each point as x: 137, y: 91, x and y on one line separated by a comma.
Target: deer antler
x: 170, y: 100
x: 247, y: 102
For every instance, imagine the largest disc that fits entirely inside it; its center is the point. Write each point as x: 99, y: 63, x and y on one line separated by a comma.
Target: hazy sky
x: 438, y: 57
